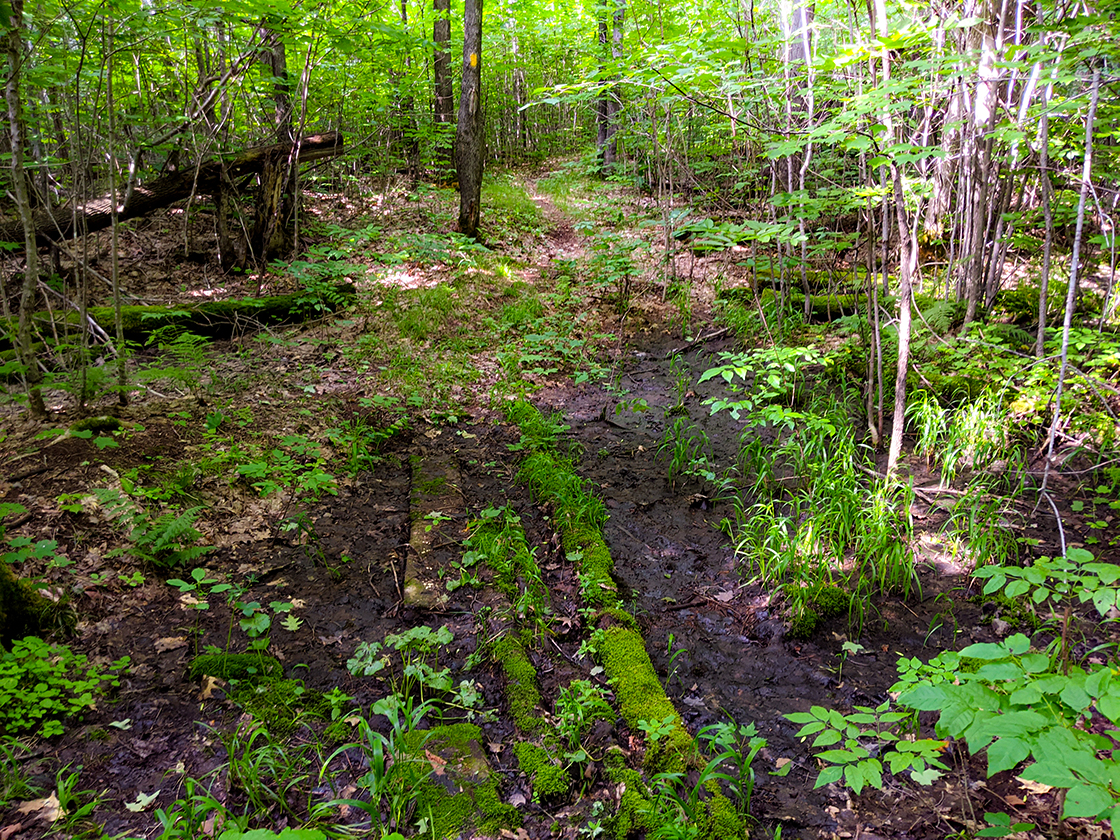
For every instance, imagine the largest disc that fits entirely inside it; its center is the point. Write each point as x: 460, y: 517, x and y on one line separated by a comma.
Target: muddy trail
x: 719, y: 645
x: 388, y: 549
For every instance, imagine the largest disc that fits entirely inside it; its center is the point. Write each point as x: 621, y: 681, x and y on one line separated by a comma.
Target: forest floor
x: 298, y: 402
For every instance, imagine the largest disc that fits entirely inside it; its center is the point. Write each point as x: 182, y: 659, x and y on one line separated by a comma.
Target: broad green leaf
x: 827, y: 738
x: 829, y: 775
x: 1005, y: 753
x: 1052, y: 772
x: 1076, y: 697
x: 1016, y: 588
x: 853, y: 778
x: 924, y: 697
x: 1087, y: 801
x: 985, y: 650
x: 1109, y: 706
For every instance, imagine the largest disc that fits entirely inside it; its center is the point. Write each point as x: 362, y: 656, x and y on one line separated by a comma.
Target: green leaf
x: 924, y: 697
x: 854, y: 778
x: 1005, y: 753
x: 1075, y: 697
x: 1109, y: 706
x: 829, y: 775
x: 827, y: 738
x: 1086, y: 800
x: 985, y: 650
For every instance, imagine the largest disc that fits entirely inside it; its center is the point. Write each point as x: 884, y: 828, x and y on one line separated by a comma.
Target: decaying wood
x: 58, y: 223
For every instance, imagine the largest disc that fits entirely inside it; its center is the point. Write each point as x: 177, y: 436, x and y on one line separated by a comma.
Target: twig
x: 1058, y: 518
x: 697, y: 342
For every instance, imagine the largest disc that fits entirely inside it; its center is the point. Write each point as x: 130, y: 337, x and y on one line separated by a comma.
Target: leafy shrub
x: 42, y: 685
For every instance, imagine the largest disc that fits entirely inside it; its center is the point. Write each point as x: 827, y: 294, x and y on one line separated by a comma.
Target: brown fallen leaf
x: 8, y: 830
x: 209, y: 684
x: 47, y: 809
x: 437, y: 763
x: 170, y: 643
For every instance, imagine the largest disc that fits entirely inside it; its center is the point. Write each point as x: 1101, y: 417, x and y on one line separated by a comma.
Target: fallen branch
x: 59, y: 223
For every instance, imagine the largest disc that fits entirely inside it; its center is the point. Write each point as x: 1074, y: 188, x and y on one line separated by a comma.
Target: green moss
x: 641, y: 697
x: 97, y: 424
x: 279, y: 704
x: 550, y: 781
x: 829, y: 600
x: 721, y: 820
x: 470, y: 798
x: 24, y: 612
x: 634, y: 808
x: 595, y: 565
x: 522, y: 694
x: 810, y: 605
x: 236, y: 666
x: 493, y: 814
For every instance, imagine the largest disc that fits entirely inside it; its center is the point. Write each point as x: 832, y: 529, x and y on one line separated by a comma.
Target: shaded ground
x: 675, y: 570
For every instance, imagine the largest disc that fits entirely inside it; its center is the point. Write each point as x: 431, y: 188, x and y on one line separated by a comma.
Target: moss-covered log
x: 23, y: 611
x: 212, y: 318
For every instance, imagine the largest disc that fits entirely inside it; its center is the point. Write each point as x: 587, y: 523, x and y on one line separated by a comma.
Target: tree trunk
x: 441, y: 72
x: 608, y: 105
x: 276, y: 199
x: 23, y: 209
x: 470, y: 137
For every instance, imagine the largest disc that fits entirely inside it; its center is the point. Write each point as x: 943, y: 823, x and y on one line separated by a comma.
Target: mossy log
x: 212, y: 318
x: 204, y: 179
x: 23, y: 611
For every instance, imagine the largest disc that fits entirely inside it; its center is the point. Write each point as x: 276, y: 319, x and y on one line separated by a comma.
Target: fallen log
x: 58, y: 223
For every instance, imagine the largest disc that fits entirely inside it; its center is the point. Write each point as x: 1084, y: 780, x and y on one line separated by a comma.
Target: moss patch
x: 236, y: 666
x: 550, y: 781
x: 522, y: 694
x: 464, y: 798
x: 641, y: 697
x: 279, y: 704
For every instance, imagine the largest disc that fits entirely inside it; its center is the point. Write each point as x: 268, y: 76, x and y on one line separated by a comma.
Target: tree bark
x: 276, y: 200
x: 26, y: 225
x: 608, y: 105
x: 470, y: 137
x: 204, y: 179
x: 441, y: 73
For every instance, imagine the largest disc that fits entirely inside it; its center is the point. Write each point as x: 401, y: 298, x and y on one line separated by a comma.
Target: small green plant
x: 852, y: 737
x: 397, y: 766
x: 76, y: 807
x: 736, y: 745
x: 578, y: 705
x: 43, y: 685
x: 15, y: 780
x: 166, y: 541
x: 297, y: 464
x: 187, y: 354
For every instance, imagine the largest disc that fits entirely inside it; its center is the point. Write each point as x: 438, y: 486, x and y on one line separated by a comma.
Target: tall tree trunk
x: 441, y: 72
x: 611, y: 21
x: 14, y: 49
x: 272, y: 232
x: 470, y: 137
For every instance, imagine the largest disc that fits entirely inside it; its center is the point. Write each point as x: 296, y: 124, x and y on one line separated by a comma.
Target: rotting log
x: 212, y: 318
x: 205, y: 179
